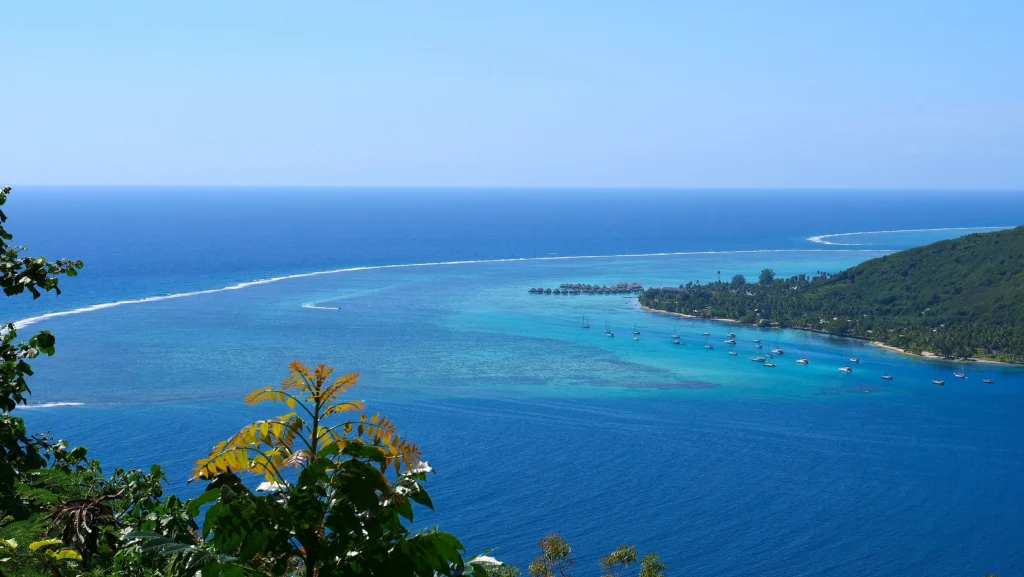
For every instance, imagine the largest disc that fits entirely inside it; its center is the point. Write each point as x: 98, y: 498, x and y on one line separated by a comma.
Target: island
x: 959, y: 298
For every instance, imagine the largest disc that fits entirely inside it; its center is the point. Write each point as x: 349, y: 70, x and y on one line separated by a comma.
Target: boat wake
x: 821, y: 239
x: 49, y: 405
x: 242, y: 285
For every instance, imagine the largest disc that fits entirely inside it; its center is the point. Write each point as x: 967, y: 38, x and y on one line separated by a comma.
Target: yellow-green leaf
x: 36, y: 545
x: 65, y: 555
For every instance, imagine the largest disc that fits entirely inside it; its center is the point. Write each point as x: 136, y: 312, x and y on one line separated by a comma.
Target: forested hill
x: 961, y: 297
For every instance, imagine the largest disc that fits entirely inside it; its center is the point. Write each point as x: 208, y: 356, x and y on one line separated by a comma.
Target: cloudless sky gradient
x: 865, y: 94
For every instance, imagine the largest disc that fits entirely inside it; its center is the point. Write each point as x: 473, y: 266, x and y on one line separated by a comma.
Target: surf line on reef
x: 820, y: 239
x: 243, y: 285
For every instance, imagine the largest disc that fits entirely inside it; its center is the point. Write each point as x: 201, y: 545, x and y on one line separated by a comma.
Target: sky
x: 780, y: 94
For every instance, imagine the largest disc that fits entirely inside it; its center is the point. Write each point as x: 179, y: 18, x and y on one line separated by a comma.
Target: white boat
x: 960, y: 373
x: 770, y: 365
x: 803, y: 361
x: 886, y: 375
x: 733, y: 353
x: 757, y: 340
x: 988, y: 381
x: 676, y: 342
x: 939, y: 382
x: 730, y: 341
x: 706, y: 334
x: 778, y: 351
x: 636, y: 338
x: 759, y: 346
x: 709, y: 346
x: 635, y: 331
x: 585, y: 324
x: 758, y: 359
x: 845, y: 370
x: 731, y: 335
x: 854, y: 360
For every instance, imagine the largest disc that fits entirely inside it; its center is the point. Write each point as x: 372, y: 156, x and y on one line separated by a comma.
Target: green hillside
x: 962, y: 297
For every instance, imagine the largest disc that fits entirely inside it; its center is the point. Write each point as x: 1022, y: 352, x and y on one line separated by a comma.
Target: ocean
x: 192, y: 297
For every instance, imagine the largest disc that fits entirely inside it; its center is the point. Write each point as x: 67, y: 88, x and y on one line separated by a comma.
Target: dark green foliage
x: 962, y: 297
x: 766, y: 277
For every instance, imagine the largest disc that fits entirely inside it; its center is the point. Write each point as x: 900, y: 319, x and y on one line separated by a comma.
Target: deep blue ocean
x: 533, y: 424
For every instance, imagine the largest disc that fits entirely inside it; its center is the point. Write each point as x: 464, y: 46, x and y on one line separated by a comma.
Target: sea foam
x: 242, y: 285
x: 821, y: 238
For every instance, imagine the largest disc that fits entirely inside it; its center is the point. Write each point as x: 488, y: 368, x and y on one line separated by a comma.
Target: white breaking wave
x: 238, y: 286
x: 318, y: 307
x: 50, y: 405
x: 821, y: 238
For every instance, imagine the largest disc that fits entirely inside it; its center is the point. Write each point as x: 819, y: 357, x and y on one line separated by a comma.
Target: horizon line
x: 523, y: 188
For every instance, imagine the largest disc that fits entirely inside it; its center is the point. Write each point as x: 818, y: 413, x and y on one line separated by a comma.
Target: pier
x: 590, y: 289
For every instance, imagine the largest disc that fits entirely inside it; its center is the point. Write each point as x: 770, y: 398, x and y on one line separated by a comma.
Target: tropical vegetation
x: 955, y: 298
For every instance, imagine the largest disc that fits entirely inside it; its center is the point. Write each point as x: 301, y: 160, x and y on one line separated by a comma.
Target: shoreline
x: 922, y: 354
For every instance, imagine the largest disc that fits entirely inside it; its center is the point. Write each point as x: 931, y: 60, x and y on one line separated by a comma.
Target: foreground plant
x: 336, y: 491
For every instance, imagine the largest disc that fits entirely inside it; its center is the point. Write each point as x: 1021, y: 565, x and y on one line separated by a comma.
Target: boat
x: 635, y: 330
x: 585, y: 324
x: 636, y: 338
x: 709, y: 346
x: 759, y: 346
x: 733, y: 353
x: 758, y: 359
x: 778, y: 351
x: 606, y: 329
x: 988, y: 381
x: 770, y: 365
x: 959, y: 373
x: 730, y: 341
x: 803, y: 361
x: 939, y: 382
x: 845, y: 370
x: 706, y: 334
x: 731, y: 335
x: 675, y: 335
x: 769, y: 355
x: 757, y: 340
x: 886, y: 375
x: 854, y: 360
x: 676, y: 342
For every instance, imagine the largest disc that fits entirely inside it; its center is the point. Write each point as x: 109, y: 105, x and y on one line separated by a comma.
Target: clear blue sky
x: 873, y: 94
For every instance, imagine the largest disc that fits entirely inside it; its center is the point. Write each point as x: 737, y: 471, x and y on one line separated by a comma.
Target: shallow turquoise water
x: 536, y: 425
